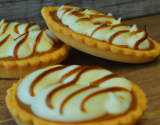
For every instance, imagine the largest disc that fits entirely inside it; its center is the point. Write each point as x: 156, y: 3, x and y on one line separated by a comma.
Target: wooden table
x: 147, y: 75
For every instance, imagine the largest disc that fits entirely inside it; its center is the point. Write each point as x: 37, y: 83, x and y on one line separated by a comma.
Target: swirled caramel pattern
x: 69, y: 92
x: 22, y: 40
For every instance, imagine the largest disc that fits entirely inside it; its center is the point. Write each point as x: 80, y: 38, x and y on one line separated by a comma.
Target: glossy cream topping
x: 75, y: 93
x: 16, y: 29
x: 103, y: 27
x: 20, y: 40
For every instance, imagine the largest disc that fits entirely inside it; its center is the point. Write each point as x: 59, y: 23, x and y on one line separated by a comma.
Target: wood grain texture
x: 146, y: 76
x: 5, y: 117
x: 29, y: 10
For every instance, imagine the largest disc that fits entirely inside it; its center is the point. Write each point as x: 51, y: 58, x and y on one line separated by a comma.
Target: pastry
x: 25, y: 48
x: 101, y: 35
x: 75, y: 95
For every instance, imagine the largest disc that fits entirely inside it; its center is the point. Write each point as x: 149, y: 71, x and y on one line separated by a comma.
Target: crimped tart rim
x: 21, y: 115
x: 38, y: 59
x: 98, y: 43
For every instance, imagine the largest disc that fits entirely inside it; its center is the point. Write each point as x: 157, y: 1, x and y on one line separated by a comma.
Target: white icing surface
x: 88, y: 27
x: 109, y: 102
x: 26, y: 48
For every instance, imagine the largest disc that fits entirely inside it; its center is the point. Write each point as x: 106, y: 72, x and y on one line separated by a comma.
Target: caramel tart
x: 25, y: 48
x: 75, y: 95
x: 100, y: 35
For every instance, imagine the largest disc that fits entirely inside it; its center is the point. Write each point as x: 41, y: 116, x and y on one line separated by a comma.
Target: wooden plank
x: 4, y: 85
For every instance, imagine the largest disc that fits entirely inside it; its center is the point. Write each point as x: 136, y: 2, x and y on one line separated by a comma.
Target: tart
x: 25, y: 48
x: 100, y: 35
x: 75, y: 95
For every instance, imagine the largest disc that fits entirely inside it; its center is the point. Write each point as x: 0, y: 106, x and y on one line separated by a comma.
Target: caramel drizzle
x: 71, y: 73
x: 4, y: 40
x: 76, y: 13
x: 38, y: 39
x: 115, y: 26
x: 101, y: 22
x: 72, y: 95
x: 52, y: 39
x: 5, y: 29
x: 98, y: 28
x: 19, y: 36
x: 16, y: 28
x: 95, y: 11
x: 19, y: 44
x: 41, y: 76
x: 92, y: 85
x: 69, y: 7
x: 63, y: 86
x: 105, y: 78
x: 28, y: 26
x: 111, y: 38
x: 83, y: 19
x: 101, y: 16
x: 67, y: 10
x: 113, y: 89
x: 144, y: 37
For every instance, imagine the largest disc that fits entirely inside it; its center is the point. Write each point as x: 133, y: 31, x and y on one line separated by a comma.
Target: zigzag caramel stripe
x: 41, y: 76
x: 20, y: 43
x: 104, y: 25
x: 5, y: 28
x: 108, y: 22
x: 138, y: 42
x: 38, y: 39
x: 16, y: 28
x: 100, y: 27
x: 4, y: 40
x: 29, y: 26
x: 112, y: 37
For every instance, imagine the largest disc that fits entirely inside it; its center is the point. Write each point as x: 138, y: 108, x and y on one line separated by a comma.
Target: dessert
x: 25, y: 48
x: 101, y: 35
x: 75, y: 95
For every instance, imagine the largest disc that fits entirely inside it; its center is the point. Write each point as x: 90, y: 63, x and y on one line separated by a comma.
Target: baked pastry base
x: 23, y: 117
x: 20, y: 68
x: 96, y: 47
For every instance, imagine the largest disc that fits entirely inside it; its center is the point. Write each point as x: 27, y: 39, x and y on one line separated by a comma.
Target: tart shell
x: 20, y: 68
x: 24, y: 118
x: 97, y: 47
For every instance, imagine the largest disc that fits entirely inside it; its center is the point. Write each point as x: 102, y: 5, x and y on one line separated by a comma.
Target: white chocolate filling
x: 94, y: 27
x: 49, y: 79
x: 18, y: 40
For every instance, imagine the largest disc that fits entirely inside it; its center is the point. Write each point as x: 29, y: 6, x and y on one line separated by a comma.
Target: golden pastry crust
x: 19, y: 68
x: 22, y: 117
x: 98, y: 47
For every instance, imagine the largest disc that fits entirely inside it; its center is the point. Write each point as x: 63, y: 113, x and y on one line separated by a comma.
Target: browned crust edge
x: 19, y: 68
x: 23, y: 117
x: 128, y: 55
